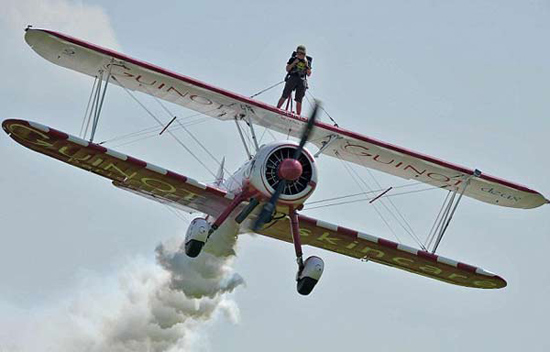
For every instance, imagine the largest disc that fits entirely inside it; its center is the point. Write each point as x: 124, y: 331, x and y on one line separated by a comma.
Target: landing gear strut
x: 310, y: 270
x: 200, y: 230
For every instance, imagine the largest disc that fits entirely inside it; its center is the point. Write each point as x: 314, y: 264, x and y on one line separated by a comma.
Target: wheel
x: 305, y: 285
x: 193, y: 248
x: 309, y: 275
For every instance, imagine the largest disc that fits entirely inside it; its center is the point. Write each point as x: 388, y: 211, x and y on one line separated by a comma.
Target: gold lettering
x: 485, y: 284
x: 97, y: 162
x: 403, y: 261
x: 189, y: 196
x: 67, y: 151
x: 430, y: 269
x: 122, y: 173
x: 28, y: 136
x: 326, y: 237
x: 454, y: 276
x: 376, y: 252
x: 156, y: 185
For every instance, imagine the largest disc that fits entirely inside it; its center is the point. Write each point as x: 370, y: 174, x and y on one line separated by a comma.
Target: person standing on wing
x: 298, y: 68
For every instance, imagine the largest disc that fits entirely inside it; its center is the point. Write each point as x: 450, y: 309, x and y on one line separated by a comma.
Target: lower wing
x: 359, y: 245
x: 125, y: 171
x: 177, y: 190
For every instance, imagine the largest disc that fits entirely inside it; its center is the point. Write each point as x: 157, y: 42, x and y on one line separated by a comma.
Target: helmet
x: 301, y: 48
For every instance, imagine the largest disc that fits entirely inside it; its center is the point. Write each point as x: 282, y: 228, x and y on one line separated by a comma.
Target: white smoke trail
x: 163, y: 306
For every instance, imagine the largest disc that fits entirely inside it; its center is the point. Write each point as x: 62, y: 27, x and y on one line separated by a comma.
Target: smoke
x: 86, y: 21
x: 162, y: 306
x: 165, y: 304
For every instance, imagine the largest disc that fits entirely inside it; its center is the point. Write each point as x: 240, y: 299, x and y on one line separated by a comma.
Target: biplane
x: 266, y: 194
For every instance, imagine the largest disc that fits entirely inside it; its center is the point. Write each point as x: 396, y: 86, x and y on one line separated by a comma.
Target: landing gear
x: 196, y: 236
x: 310, y: 274
x: 200, y: 229
x: 310, y: 271
x: 193, y: 248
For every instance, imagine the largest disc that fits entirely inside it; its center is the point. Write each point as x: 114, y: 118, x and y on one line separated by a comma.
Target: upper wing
x: 363, y: 246
x: 126, y: 172
x: 137, y: 75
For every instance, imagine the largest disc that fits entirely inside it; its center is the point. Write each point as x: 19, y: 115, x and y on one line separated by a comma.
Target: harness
x: 295, y: 72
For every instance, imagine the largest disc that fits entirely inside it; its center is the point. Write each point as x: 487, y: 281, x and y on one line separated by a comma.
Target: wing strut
x: 99, y: 101
x: 450, y: 209
x: 242, y: 138
x: 252, y: 132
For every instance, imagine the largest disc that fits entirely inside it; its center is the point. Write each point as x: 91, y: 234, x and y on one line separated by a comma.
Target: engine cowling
x: 274, y: 161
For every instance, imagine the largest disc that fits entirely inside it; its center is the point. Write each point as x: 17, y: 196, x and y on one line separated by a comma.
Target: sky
x: 464, y: 81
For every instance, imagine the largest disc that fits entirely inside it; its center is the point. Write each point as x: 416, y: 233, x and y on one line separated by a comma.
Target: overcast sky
x: 465, y: 81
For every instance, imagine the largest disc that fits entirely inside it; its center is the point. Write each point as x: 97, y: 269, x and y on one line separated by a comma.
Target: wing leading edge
x: 141, y: 76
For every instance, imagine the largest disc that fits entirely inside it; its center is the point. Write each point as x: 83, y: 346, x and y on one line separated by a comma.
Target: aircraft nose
x: 290, y: 169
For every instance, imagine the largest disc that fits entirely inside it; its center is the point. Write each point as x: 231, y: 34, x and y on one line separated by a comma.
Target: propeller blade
x: 269, y: 207
x: 307, y: 130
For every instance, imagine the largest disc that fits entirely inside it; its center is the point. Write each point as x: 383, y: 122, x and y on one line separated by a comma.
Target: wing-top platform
x: 180, y: 191
x: 137, y: 75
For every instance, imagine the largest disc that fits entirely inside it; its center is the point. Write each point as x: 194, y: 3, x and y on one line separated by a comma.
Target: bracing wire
x: 367, y: 199
x: 346, y: 166
x: 154, y: 130
x: 407, y: 225
x: 390, y: 212
x: 431, y: 234
x: 266, y: 89
x: 153, y: 134
x: 323, y: 109
x: 376, y: 191
x: 176, y: 213
x: 169, y: 132
x: 203, y: 147
x: 87, y: 108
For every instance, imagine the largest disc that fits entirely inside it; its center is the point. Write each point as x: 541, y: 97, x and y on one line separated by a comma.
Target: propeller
x: 290, y: 169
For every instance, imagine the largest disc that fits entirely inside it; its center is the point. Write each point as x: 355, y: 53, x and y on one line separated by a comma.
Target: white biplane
x: 266, y: 193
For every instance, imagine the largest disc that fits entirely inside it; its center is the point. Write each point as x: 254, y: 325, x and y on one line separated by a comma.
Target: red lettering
x: 442, y: 179
x: 138, y: 78
x: 376, y: 159
x: 415, y: 170
x: 357, y: 150
x: 177, y: 91
x: 200, y: 100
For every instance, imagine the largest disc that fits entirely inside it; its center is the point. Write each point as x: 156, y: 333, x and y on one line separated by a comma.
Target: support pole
x: 225, y: 214
x: 448, y: 216
x: 296, y: 239
x: 93, y: 108
x: 251, y: 126
x: 100, y: 106
x: 242, y: 139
